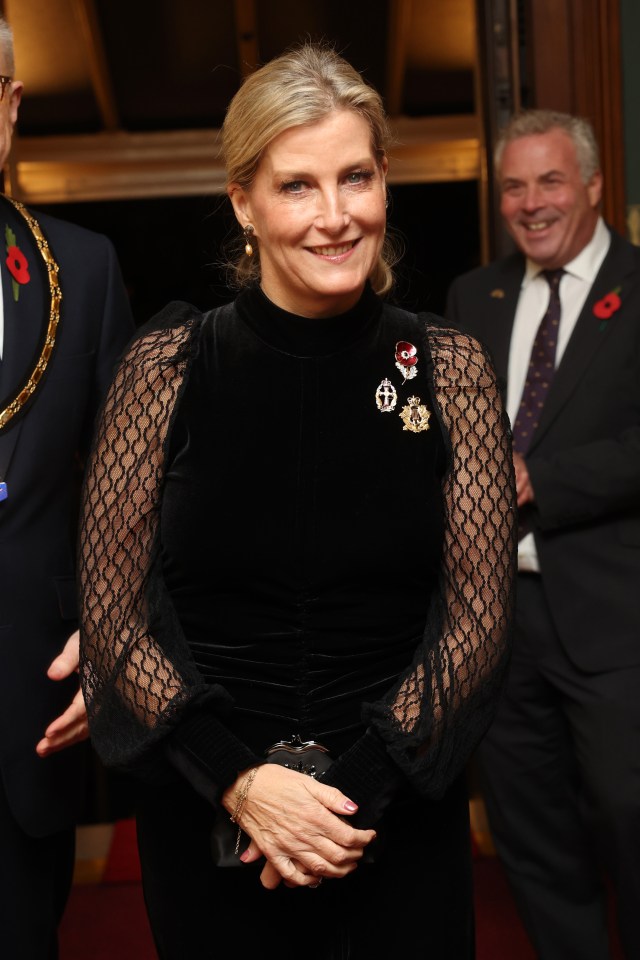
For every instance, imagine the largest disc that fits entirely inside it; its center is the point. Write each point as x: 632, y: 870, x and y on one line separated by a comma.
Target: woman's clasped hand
x: 297, y: 824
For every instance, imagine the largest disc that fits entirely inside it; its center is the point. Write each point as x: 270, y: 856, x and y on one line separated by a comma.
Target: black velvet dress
x: 273, y: 542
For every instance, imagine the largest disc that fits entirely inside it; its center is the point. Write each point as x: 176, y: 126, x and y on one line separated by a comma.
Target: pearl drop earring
x: 248, y: 233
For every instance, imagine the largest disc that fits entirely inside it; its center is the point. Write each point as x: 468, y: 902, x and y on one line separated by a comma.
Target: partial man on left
x: 64, y: 319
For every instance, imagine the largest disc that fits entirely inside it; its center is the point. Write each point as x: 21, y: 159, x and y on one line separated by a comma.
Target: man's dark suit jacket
x: 584, y: 459
x: 43, y: 447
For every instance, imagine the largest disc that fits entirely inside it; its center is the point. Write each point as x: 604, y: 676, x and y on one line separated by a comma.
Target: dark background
x: 174, y: 249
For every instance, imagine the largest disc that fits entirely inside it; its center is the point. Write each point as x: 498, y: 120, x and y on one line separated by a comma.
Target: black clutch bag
x: 303, y: 756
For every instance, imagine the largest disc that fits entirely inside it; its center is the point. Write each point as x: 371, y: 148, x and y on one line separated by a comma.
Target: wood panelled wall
x: 575, y: 65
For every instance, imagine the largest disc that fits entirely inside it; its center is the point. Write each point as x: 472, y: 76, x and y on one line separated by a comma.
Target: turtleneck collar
x: 305, y: 336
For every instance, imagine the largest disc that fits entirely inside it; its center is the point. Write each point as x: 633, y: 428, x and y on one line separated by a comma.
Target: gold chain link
x: 42, y: 363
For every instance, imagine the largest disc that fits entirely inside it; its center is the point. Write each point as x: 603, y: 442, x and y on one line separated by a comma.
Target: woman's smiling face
x: 317, y: 206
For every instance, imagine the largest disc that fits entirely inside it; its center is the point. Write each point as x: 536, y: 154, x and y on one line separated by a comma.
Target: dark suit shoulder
x: 74, y: 248
x: 84, y: 255
x: 492, y: 273
x: 622, y: 253
x: 476, y: 293
x: 54, y: 227
x: 70, y: 239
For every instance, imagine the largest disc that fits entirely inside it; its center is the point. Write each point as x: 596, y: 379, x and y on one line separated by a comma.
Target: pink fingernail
x: 244, y: 856
x: 351, y: 806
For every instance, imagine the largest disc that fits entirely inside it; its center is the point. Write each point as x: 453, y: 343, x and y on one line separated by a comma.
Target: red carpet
x: 123, y: 865
x: 107, y: 920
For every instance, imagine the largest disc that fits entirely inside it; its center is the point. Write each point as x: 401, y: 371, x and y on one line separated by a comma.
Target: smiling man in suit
x: 64, y: 319
x: 561, y: 762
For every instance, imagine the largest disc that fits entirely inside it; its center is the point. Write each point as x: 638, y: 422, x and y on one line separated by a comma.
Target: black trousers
x: 561, y: 778
x: 414, y: 901
x: 35, y: 880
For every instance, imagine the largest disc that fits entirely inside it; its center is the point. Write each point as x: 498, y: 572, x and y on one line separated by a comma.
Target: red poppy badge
x: 17, y: 263
x: 604, y: 309
x: 406, y: 359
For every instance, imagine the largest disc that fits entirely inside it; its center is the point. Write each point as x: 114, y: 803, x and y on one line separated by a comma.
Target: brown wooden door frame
x: 564, y: 55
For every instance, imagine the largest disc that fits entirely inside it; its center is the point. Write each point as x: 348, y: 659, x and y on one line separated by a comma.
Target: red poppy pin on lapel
x: 16, y: 263
x: 604, y: 309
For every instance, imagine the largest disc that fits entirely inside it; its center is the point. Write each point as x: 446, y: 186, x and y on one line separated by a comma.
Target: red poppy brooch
x: 16, y: 263
x: 406, y: 359
x: 604, y: 309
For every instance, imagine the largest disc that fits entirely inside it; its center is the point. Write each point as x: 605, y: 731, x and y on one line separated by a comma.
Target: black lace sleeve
x: 137, y: 673
x: 433, y: 718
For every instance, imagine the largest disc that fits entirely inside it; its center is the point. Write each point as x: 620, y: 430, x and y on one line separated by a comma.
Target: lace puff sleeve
x: 137, y: 673
x: 434, y: 717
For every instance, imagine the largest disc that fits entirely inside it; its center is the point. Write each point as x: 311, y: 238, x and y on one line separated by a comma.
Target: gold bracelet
x: 241, y: 799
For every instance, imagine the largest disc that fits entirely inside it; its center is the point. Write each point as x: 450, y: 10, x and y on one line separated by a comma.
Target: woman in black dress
x: 298, y: 523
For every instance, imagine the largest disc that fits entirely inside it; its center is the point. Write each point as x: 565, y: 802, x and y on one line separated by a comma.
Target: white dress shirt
x: 575, y: 285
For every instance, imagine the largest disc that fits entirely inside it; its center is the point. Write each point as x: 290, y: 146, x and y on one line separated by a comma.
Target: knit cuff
x: 367, y: 775
x: 210, y: 757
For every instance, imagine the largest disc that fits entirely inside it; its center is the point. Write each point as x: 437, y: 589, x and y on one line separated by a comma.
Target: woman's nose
x: 332, y: 214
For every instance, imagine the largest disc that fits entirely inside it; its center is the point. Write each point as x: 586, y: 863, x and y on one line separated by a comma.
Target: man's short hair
x: 6, y: 46
x: 531, y: 122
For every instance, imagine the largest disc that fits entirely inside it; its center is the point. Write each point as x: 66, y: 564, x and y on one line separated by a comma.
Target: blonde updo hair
x: 300, y: 87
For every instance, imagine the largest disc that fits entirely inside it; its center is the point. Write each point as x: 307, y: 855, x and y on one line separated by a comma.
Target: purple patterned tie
x: 541, y: 367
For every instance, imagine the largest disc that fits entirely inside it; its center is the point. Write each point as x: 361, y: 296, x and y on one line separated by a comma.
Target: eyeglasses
x: 4, y: 83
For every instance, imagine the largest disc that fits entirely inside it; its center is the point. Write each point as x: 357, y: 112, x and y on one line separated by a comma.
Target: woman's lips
x: 333, y: 250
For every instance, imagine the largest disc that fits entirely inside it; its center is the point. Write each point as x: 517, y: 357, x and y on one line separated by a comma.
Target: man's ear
x: 240, y: 202
x: 17, y: 86
x: 594, y: 189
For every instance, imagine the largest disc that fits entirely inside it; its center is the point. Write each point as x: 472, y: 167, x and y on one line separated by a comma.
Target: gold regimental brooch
x: 415, y: 416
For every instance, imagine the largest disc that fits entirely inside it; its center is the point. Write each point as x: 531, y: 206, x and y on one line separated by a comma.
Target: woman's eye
x: 293, y: 186
x: 358, y: 176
